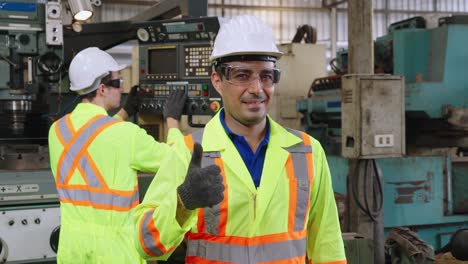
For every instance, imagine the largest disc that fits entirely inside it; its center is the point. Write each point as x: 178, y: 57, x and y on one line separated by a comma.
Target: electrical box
x: 373, y: 116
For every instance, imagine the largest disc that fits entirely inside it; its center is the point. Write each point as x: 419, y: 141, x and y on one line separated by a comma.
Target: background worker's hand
x: 175, y: 104
x: 203, y: 187
x: 131, y: 103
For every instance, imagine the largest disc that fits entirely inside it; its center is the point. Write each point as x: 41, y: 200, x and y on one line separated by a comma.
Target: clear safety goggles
x: 244, y: 76
x: 116, y: 83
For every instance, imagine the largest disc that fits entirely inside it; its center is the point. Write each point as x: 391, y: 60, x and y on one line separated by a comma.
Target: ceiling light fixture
x: 81, y: 9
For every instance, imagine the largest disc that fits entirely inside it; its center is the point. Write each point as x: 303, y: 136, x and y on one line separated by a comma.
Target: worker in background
x: 94, y: 159
x: 278, y: 204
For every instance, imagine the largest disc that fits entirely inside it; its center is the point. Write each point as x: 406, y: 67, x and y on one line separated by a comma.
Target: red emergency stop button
x: 215, y: 106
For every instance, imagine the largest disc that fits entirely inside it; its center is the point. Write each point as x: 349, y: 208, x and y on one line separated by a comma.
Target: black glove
x: 131, y: 103
x: 203, y: 187
x: 175, y: 104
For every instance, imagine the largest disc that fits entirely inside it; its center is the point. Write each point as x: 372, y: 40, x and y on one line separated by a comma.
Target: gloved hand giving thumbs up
x: 203, y: 187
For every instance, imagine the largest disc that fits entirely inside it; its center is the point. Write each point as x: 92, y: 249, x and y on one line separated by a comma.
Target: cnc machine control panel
x: 174, y: 54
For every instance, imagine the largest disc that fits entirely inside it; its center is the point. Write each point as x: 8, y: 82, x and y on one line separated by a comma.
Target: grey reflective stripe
x: 78, y: 145
x: 197, y: 136
x: 299, y: 159
x: 209, y: 158
x: 147, y: 236
x: 211, y: 250
x: 64, y: 129
x: 89, y: 173
x: 211, y: 215
x: 106, y: 199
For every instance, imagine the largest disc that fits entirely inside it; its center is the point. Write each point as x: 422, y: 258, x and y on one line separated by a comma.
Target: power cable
x: 370, y: 170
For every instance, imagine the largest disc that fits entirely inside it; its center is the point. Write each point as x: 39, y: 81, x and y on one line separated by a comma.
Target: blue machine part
x: 416, y: 194
x: 433, y: 78
x: 17, y: 6
x: 425, y: 191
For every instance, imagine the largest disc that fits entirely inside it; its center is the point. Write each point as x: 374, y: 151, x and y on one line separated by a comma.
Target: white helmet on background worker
x: 242, y: 37
x: 88, y: 67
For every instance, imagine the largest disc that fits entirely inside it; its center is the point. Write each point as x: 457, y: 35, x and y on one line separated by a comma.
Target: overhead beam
x: 108, y: 34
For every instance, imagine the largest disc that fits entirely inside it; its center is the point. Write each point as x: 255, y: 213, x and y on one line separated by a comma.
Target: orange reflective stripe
x: 306, y: 139
x: 97, y: 189
x: 70, y: 143
x: 85, y: 147
x: 199, y: 260
x: 297, y: 260
x: 155, y: 234
x: 310, y: 173
x: 69, y: 123
x: 292, y: 193
x: 59, y: 135
x: 310, y: 170
x: 189, y: 142
x: 149, y: 236
x: 223, y: 206
x: 201, y: 227
x: 101, y: 206
x: 250, y: 241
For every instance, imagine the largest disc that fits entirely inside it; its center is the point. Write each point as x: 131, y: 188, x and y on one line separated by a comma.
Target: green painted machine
x: 35, y: 50
x: 31, y: 69
x: 425, y: 185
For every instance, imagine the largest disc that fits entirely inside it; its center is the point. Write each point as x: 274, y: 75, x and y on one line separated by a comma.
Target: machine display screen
x: 162, y: 60
x: 190, y: 27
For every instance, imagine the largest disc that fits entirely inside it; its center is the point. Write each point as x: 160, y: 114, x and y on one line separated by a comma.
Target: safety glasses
x: 243, y: 76
x: 116, y: 83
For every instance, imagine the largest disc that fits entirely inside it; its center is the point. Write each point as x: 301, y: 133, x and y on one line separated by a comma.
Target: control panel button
x: 215, y: 106
x: 193, y: 106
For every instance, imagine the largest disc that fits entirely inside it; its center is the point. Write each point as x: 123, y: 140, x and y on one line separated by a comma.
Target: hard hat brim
x: 270, y: 53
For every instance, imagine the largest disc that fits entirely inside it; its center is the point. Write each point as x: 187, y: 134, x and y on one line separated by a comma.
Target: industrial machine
x: 411, y: 118
x: 35, y: 50
x: 174, y: 54
x: 31, y: 62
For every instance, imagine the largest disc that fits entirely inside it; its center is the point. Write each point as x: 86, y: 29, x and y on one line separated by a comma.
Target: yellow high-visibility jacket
x: 291, y: 216
x: 94, y: 159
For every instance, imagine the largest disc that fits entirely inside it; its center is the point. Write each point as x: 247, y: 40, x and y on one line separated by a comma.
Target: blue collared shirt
x: 253, y: 161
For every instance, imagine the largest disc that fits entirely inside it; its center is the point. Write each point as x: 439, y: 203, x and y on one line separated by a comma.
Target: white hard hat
x: 88, y: 67
x: 244, y: 35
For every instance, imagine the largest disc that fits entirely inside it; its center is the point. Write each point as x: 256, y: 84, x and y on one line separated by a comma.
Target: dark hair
x: 90, y: 96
